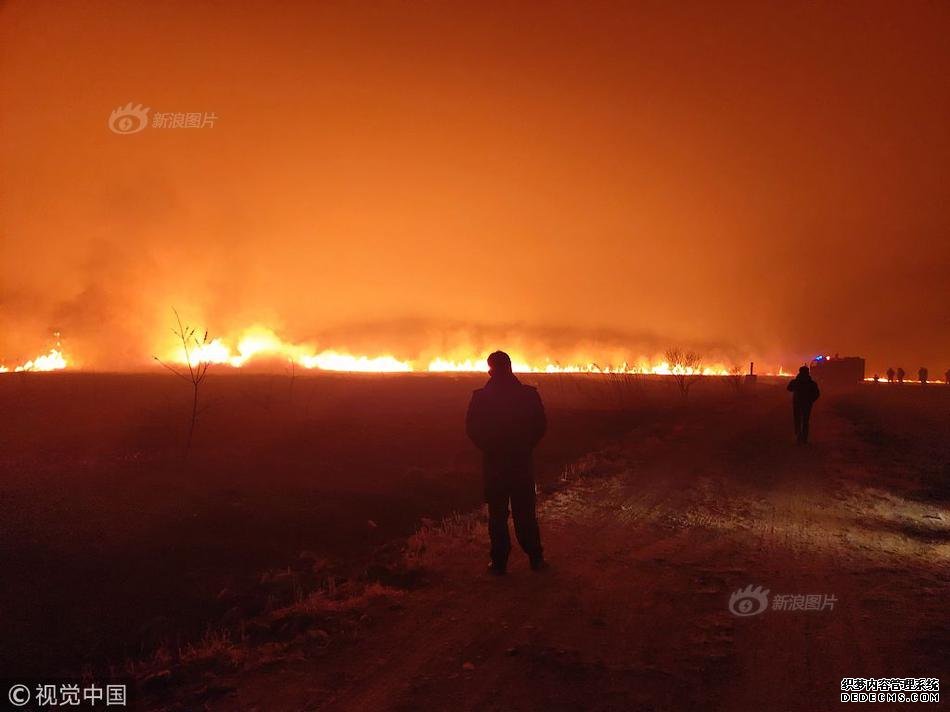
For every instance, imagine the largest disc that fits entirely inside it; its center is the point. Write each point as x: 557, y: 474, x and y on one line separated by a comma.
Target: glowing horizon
x: 259, y: 345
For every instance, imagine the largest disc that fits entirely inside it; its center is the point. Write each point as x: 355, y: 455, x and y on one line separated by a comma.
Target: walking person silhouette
x: 804, y: 394
x: 506, y: 421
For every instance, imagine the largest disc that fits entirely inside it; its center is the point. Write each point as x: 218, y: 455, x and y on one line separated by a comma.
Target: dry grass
x: 434, y: 539
x: 215, y: 649
x: 280, y: 635
x: 334, y: 600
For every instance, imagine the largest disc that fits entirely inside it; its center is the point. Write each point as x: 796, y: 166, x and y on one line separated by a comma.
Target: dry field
x: 306, y: 554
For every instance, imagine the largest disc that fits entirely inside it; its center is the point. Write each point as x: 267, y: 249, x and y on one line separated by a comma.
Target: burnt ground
x: 672, y: 508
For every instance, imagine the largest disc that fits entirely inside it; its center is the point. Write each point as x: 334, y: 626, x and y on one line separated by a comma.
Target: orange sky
x: 755, y: 178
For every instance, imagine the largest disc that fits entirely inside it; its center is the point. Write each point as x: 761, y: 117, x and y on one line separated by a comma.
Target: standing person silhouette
x: 900, y: 374
x: 922, y: 374
x: 890, y: 375
x: 506, y: 421
x: 804, y: 394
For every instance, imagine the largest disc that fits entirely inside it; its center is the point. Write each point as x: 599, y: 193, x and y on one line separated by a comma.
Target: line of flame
x: 258, y: 341
x: 52, y: 361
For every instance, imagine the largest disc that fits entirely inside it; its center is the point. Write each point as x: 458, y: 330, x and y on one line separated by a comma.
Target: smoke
x: 588, y: 185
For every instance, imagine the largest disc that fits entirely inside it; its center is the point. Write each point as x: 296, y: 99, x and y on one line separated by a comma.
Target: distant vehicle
x: 834, y: 371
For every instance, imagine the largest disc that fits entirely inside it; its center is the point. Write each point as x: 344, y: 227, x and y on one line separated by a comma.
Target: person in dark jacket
x: 506, y: 421
x: 804, y: 394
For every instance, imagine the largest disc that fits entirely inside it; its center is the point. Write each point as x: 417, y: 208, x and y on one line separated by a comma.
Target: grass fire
x: 474, y: 356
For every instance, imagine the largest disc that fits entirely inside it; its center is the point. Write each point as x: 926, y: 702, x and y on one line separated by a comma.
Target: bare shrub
x: 622, y: 386
x: 433, y: 540
x: 736, y: 378
x: 687, y: 367
x: 197, y: 369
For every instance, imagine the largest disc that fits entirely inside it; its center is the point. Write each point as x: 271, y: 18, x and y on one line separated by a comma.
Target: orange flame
x: 52, y: 361
x: 260, y: 342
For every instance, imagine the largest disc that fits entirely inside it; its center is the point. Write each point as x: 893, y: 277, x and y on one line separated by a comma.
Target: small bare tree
x: 197, y: 368
x: 687, y: 367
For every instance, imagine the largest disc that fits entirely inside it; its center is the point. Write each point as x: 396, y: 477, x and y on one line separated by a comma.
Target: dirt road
x: 646, y: 546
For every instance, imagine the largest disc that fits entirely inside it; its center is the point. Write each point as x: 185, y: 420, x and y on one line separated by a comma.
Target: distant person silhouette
x: 804, y: 394
x: 946, y: 377
x: 922, y: 374
x: 890, y: 375
x: 506, y: 421
x: 900, y: 374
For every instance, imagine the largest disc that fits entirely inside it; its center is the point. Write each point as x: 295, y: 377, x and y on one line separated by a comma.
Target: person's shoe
x: 538, y: 563
x: 496, y: 570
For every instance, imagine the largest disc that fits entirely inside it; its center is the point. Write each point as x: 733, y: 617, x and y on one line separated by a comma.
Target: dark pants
x: 801, y: 412
x: 520, y: 493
